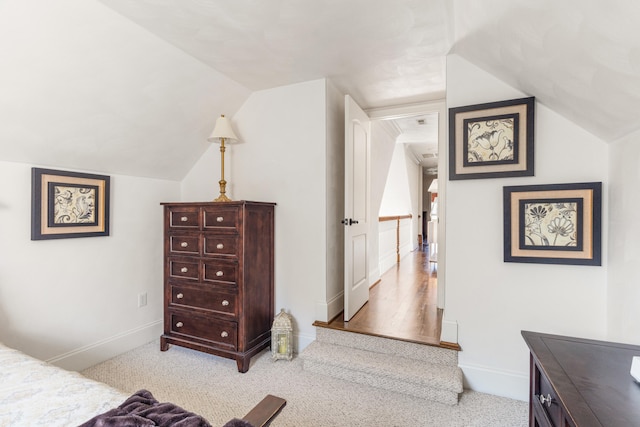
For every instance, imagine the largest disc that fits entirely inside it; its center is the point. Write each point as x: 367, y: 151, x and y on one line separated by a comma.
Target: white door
x: 356, y: 208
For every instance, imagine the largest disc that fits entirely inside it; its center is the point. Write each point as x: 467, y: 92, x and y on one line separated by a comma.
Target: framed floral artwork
x: 68, y: 204
x: 492, y: 140
x: 553, y: 224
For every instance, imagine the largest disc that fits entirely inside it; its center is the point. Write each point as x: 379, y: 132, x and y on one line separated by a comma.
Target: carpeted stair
x: 423, y: 371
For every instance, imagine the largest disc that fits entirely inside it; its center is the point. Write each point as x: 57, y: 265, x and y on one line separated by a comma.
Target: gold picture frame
x: 68, y: 204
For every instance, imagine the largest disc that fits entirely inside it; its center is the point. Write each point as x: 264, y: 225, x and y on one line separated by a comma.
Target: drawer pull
x: 546, y: 400
x: 184, y: 218
x: 224, y: 334
x: 184, y: 269
x: 180, y: 296
x: 179, y: 325
x: 220, y: 219
x: 219, y: 273
x: 220, y: 246
x: 225, y: 302
x: 184, y: 244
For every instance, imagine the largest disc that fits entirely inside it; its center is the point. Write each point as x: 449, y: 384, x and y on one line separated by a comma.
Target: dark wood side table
x: 581, y: 383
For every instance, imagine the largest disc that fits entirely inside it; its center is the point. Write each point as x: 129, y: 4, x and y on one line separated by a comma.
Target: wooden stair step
x: 410, y: 350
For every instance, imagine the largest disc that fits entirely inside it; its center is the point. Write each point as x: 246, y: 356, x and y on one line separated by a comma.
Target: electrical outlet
x: 142, y: 299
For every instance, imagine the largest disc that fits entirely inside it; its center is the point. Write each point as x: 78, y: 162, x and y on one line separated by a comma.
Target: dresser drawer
x: 184, y: 218
x: 221, y: 218
x: 183, y: 269
x: 546, y: 398
x: 204, y: 328
x: 184, y: 245
x: 220, y: 245
x: 205, y: 299
x: 539, y: 415
x: 220, y: 271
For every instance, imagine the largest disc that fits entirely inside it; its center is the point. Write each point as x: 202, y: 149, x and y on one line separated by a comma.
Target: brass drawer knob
x: 184, y: 269
x: 220, y: 246
x: 184, y: 244
x: 184, y: 219
x: 224, y: 334
x: 225, y: 303
x: 219, y: 273
x: 179, y: 325
x: 220, y: 219
x: 180, y: 296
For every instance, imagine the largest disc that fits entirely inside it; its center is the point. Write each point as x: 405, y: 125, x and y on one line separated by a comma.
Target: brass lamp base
x: 223, y: 189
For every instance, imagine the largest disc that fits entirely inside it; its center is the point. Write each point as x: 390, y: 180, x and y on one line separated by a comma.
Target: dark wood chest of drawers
x: 219, y: 278
x: 581, y: 383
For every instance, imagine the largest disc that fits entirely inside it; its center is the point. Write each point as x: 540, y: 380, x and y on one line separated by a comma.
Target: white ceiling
x: 579, y: 57
x: 133, y: 86
x: 381, y: 52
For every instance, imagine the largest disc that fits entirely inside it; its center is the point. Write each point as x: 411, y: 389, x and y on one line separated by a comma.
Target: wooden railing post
x: 396, y: 218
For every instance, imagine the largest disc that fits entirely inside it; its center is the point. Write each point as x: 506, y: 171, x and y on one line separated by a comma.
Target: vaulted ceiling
x: 134, y: 86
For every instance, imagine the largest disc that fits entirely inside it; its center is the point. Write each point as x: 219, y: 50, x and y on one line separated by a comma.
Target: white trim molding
x: 513, y: 385
x: 92, y: 354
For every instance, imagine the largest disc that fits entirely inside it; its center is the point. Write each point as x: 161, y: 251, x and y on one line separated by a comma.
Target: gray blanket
x: 143, y: 410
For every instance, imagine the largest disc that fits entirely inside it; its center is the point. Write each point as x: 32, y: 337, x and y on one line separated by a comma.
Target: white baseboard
x: 336, y: 306
x: 92, y: 354
x: 374, y: 276
x: 386, y: 262
x: 513, y: 385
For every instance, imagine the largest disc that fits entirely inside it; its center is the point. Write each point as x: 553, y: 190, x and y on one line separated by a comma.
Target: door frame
x: 435, y: 106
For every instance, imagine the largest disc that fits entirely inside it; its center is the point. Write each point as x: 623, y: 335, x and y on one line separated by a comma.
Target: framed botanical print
x: 492, y: 140
x: 553, y: 224
x: 68, y: 204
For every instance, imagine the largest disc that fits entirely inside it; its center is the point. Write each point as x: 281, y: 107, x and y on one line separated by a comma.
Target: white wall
x: 414, y: 183
x: 493, y: 301
x: 85, y: 88
x: 401, y: 197
x: 623, y: 294
x: 396, y: 199
x: 281, y: 158
x: 74, y: 301
x: 383, y: 144
x: 333, y: 302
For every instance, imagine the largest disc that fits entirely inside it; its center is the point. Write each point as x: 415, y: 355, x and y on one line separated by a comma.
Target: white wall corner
x: 449, y: 331
x: 513, y: 385
x: 303, y: 340
x: 92, y: 354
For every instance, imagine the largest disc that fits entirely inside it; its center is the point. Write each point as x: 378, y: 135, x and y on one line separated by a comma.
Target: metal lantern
x: 282, y: 337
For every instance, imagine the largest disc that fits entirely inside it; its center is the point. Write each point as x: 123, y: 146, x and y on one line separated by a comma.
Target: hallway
x: 402, y: 305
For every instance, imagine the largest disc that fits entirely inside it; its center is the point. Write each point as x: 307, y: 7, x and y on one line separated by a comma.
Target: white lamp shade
x: 223, y: 129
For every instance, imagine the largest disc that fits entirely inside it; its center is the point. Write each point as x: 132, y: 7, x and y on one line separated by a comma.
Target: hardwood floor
x: 402, y: 305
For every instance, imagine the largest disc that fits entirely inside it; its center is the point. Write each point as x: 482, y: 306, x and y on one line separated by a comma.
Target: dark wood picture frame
x: 492, y: 140
x: 68, y: 204
x: 553, y: 224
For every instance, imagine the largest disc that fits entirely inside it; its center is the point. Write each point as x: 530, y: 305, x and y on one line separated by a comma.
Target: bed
x: 35, y: 393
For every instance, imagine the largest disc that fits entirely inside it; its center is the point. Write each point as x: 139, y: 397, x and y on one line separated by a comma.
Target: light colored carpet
x: 212, y: 387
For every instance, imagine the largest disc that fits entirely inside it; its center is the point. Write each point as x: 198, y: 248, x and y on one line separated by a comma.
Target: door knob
x: 348, y: 221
